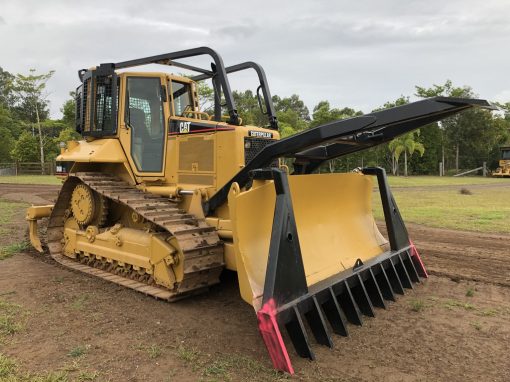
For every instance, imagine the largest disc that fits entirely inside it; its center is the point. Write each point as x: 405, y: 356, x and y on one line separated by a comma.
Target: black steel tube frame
x: 343, y: 298
x: 263, y: 85
x: 313, y: 147
x: 168, y: 59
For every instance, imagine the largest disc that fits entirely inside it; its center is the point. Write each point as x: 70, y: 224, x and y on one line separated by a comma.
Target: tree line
x: 27, y: 132
x: 463, y: 141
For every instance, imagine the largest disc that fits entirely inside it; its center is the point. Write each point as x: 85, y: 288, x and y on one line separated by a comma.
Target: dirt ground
x: 452, y: 327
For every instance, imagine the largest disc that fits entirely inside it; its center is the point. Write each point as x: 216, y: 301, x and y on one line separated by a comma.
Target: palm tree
x: 404, y: 144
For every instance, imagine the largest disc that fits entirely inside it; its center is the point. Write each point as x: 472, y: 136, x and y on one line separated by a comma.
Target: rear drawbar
x: 341, y: 299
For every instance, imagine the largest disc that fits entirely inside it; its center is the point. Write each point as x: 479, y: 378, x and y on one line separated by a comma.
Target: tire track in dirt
x: 463, y: 255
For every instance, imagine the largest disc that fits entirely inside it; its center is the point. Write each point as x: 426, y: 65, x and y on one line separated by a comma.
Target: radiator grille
x: 252, y: 147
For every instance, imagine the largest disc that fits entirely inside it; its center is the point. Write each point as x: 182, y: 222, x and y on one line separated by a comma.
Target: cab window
x: 181, y: 94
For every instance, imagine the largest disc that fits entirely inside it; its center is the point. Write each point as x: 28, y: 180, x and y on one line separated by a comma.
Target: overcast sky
x: 353, y: 53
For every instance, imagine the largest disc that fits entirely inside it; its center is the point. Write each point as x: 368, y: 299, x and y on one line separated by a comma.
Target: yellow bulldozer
x: 161, y: 197
x: 503, y: 171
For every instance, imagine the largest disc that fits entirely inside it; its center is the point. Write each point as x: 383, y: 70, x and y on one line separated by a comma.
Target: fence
x: 27, y: 168
x: 482, y: 168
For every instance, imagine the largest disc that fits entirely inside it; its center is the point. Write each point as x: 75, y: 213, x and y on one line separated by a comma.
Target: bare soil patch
x: 453, y: 327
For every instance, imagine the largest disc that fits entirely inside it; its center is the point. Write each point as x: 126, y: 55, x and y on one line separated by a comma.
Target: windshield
x: 181, y: 94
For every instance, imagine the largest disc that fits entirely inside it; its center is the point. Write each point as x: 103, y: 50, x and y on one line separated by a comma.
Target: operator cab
x: 505, y: 153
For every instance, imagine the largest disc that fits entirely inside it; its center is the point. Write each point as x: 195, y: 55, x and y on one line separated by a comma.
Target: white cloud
x: 358, y: 54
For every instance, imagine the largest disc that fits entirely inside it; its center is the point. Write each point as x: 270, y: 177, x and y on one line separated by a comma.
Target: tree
x: 248, y: 108
x: 405, y: 144
x: 505, y: 107
x: 205, y: 97
x: 293, y: 103
x: 32, y: 104
x: 396, y: 146
x: 452, y: 127
x: 25, y: 148
x: 6, y: 95
x: 68, y: 110
x: 322, y: 114
x: 7, y: 144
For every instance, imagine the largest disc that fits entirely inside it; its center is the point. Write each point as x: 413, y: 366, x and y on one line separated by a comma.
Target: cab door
x: 145, y: 133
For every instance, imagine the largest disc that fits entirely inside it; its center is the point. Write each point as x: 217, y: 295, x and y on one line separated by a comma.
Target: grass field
x: 430, y: 181
x: 487, y: 209
x: 30, y: 179
x: 431, y: 200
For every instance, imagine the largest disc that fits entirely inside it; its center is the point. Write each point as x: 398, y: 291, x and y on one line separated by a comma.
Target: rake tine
x: 385, y: 285
x: 373, y: 289
x: 411, y: 270
x: 402, y: 273
x: 348, y: 303
x: 361, y: 296
x: 317, y: 323
x: 334, y: 314
x: 298, y: 336
x: 394, y: 278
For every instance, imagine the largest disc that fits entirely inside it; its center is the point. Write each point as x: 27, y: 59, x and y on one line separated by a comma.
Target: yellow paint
x: 98, y: 151
x: 33, y: 214
x: 334, y: 222
x: 146, y: 251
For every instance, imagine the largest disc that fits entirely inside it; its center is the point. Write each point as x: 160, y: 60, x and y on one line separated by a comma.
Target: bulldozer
x: 161, y: 197
x: 503, y: 171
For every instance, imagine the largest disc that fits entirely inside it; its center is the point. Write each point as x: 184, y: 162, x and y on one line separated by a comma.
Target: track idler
x: 292, y: 309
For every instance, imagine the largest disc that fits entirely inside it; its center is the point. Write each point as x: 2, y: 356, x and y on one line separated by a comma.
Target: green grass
x: 87, y: 376
x: 7, y: 367
x: 417, y: 305
x: 450, y: 304
x: 188, y: 355
x: 10, y: 372
x: 8, y: 211
x: 154, y: 351
x: 30, y: 179
x: 78, y: 351
x: 219, y: 367
x: 429, y: 181
x: 79, y: 302
x: 11, y: 249
x: 12, y: 319
x: 477, y: 325
x: 486, y: 210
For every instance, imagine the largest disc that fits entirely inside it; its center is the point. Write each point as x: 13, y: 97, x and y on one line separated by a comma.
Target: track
x: 199, y: 243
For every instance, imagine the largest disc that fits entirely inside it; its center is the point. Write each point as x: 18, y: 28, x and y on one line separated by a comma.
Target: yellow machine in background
x: 503, y: 170
x: 160, y: 197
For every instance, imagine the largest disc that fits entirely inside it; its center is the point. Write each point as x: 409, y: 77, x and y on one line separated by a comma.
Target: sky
x: 357, y: 54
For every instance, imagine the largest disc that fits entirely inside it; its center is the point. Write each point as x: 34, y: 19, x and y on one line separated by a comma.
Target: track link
x: 200, y: 245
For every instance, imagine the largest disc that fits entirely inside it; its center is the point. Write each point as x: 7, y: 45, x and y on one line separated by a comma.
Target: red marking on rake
x: 272, y: 337
x: 414, y: 253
